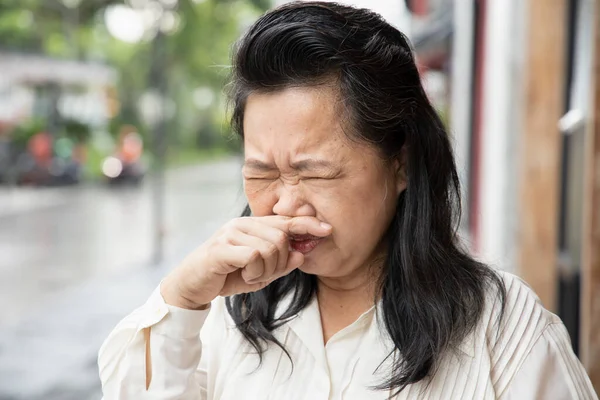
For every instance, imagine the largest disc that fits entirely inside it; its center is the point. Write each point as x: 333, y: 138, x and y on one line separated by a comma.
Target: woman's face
x: 298, y: 162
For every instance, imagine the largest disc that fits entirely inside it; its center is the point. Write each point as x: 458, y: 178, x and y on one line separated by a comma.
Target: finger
x: 298, y: 225
x: 295, y: 260
x: 254, y: 270
x: 277, y: 237
x: 269, y: 252
x: 235, y: 284
x: 290, y: 226
x: 231, y: 258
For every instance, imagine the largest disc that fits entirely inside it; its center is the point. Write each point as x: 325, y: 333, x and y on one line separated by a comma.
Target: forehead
x: 298, y: 119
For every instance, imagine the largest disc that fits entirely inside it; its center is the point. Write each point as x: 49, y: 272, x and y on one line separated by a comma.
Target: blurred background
x: 116, y: 157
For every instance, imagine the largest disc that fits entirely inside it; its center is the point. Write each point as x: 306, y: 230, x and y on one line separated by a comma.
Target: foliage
x: 21, y: 133
x: 189, y: 155
x: 30, y: 25
x: 196, y: 54
x: 77, y: 131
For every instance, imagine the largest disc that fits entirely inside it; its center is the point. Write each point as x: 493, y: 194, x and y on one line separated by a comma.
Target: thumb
x: 295, y: 260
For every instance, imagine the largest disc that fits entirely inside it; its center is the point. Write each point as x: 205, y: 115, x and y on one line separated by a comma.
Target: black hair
x: 432, y: 292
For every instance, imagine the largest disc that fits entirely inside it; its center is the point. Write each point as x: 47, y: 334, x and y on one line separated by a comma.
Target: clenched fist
x: 244, y: 256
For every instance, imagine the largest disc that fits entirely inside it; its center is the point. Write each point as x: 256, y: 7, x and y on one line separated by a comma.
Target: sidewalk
x: 72, y: 269
x: 53, y: 354
x: 16, y: 200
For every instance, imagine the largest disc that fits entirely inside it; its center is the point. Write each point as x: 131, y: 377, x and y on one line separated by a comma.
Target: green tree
x: 197, y: 52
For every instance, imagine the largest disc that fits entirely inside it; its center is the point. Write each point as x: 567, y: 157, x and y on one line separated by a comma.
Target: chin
x: 321, y: 260
x: 309, y: 267
x: 320, y: 265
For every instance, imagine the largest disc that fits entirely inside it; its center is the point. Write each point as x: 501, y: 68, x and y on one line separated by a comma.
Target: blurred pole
x: 571, y: 182
x: 159, y: 84
x: 496, y: 99
x: 462, y: 96
x: 53, y: 91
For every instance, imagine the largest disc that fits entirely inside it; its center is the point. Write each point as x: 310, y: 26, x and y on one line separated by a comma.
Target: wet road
x: 74, y: 261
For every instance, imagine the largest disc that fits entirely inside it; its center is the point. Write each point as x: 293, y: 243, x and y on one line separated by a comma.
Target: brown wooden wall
x: 540, y: 148
x: 590, y: 299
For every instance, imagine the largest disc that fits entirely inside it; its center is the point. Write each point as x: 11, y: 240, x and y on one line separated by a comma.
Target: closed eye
x: 260, y: 178
x: 322, y: 177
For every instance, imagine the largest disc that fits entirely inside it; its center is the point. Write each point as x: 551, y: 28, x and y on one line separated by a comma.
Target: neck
x: 342, y: 301
x: 344, y: 292
x: 357, y: 288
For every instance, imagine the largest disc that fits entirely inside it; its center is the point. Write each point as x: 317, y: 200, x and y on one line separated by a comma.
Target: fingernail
x: 325, y: 225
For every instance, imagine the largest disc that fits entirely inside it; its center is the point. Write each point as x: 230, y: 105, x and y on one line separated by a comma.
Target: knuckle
x: 293, y: 222
x: 235, y: 223
x: 292, y: 225
x: 211, y: 246
x: 220, y: 238
x: 281, y: 240
x: 253, y: 255
x: 299, y: 225
x: 271, y: 250
x: 230, y: 225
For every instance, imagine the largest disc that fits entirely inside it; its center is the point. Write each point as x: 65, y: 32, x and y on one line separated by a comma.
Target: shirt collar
x: 307, y: 326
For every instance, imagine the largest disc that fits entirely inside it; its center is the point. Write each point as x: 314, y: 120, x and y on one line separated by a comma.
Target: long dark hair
x: 432, y: 293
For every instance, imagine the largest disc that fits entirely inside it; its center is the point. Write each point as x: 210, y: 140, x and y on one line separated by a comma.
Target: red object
x: 40, y: 147
x: 420, y: 7
x: 131, y: 147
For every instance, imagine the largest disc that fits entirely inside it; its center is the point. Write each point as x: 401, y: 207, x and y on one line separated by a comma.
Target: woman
x: 345, y: 279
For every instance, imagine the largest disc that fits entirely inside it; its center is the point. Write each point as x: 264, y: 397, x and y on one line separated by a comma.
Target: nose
x: 292, y: 203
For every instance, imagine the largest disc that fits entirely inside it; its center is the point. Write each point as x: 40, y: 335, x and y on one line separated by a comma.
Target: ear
x: 401, y: 171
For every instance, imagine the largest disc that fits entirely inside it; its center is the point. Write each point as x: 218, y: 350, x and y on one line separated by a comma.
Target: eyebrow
x: 300, y: 165
x: 311, y: 164
x: 258, y: 165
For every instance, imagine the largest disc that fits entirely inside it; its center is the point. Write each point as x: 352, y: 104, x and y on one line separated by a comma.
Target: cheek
x: 361, y: 195
x: 363, y: 209
x: 379, y: 205
x: 261, y: 197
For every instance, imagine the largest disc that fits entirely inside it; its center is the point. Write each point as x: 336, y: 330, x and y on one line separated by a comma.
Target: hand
x: 244, y: 256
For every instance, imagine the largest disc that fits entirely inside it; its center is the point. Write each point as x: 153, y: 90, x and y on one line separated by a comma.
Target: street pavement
x: 74, y: 261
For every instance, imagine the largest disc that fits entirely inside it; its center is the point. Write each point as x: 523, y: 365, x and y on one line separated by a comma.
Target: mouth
x: 304, y: 243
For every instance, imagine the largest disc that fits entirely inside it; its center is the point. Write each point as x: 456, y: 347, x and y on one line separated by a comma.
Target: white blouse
x: 200, y: 355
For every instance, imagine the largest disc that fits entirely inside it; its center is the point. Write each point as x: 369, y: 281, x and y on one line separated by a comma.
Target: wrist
x: 171, y: 294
